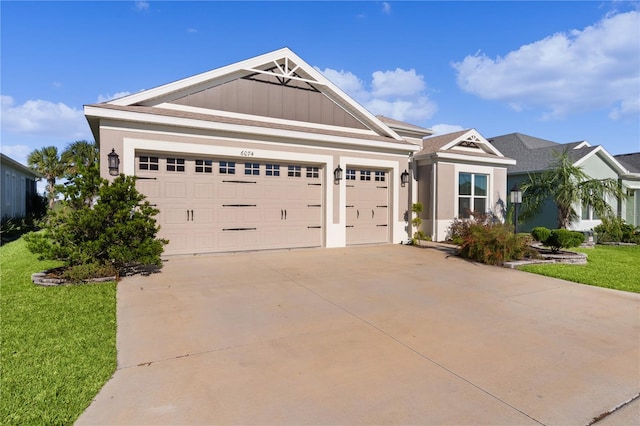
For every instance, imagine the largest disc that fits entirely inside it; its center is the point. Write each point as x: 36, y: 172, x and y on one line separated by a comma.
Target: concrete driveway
x: 367, y: 335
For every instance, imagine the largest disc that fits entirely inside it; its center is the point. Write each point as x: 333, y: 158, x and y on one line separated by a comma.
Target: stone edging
x: 40, y: 278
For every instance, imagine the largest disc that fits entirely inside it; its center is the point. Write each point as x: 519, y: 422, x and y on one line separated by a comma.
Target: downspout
x: 434, y: 223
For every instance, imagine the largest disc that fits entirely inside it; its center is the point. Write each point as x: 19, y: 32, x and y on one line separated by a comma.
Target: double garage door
x: 210, y: 204
x: 217, y: 205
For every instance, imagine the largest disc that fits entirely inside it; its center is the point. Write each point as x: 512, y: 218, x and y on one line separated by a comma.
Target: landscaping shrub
x: 487, y: 240
x: 616, y: 230
x: 117, y: 231
x: 563, y: 238
x: 540, y: 233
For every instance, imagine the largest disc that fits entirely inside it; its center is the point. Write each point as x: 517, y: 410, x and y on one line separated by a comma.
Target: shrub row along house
x: 267, y: 153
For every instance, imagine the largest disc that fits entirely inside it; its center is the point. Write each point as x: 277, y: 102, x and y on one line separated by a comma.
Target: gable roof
x: 8, y: 161
x: 405, y: 128
x: 281, y: 67
x: 535, y: 154
x: 467, y: 145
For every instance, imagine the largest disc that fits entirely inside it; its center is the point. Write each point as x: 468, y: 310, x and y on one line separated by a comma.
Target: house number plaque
x: 246, y: 153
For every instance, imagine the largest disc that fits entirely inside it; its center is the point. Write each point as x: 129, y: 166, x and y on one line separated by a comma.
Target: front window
x: 379, y: 176
x: 472, y: 194
x: 351, y: 174
x: 273, y: 170
x: 204, y: 166
x: 365, y: 175
x: 148, y: 163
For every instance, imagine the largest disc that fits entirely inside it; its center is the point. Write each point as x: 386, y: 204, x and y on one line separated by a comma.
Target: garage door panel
x: 204, y: 191
x: 175, y: 216
x: 175, y: 189
x: 151, y: 188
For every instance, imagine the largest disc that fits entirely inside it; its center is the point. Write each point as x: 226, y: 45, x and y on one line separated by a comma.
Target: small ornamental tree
x: 418, y: 233
x: 117, y: 231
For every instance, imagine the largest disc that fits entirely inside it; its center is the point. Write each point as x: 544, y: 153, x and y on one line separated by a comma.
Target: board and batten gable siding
x: 270, y: 100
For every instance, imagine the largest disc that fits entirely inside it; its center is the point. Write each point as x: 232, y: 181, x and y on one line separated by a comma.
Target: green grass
x: 616, y: 267
x: 57, y: 344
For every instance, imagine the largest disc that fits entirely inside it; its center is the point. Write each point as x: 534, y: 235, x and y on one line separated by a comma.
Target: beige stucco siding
x: 446, y: 182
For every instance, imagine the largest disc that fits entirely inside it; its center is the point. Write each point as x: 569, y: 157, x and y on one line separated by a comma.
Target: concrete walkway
x: 367, y: 335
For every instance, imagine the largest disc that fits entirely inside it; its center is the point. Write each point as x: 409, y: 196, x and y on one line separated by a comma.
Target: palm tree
x: 78, y: 154
x: 567, y: 185
x: 47, y: 163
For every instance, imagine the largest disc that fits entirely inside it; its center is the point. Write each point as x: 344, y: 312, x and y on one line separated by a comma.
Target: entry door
x: 367, y: 206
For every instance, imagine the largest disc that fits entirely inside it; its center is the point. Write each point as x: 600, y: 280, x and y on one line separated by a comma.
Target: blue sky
x: 563, y: 71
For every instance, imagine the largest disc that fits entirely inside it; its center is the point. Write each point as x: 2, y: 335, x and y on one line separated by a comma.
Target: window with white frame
x: 251, y: 169
x: 227, y: 167
x: 294, y: 171
x: 472, y: 194
x: 379, y: 176
x: 204, y: 166
x: 351, y: 174
x: 365, y: 174
x: 272, y: 170
x: 148, y: 163
x: 313, y: 172
x: 175, y: 164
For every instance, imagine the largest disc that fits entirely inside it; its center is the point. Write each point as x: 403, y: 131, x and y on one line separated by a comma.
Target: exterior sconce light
x: 114, y: 163
x: 404, y: 178
x: 516, y: 200
x: 337, y: 174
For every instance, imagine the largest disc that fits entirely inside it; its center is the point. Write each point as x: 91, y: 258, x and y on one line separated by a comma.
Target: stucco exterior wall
x: 128, y: 138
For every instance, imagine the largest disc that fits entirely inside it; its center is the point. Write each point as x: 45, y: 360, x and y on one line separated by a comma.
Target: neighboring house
x: 456, y: 175
x: 246, y: 157
x: 630, y: 208
x: 534, y: 155
x: 18, y: 185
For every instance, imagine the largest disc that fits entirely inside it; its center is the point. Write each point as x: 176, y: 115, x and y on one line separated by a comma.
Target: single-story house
x: 267, y: 153
x: 456, y: 175
x: 18, y: 184
x: 534, y: 155
x: 630, y: 207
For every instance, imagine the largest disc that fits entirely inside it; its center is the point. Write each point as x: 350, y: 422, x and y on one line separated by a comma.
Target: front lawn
x: 616, y: 267
x: 57, y: 344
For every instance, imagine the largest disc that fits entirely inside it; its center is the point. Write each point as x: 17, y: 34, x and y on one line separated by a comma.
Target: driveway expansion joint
x: 618, y: 407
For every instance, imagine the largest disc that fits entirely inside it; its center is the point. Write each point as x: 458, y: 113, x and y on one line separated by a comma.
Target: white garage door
x: 367, y: 206
x: 216, y: 205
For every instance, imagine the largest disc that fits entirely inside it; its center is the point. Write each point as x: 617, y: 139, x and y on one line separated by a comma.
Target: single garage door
x: 367, y: 206
x: 216, y: 205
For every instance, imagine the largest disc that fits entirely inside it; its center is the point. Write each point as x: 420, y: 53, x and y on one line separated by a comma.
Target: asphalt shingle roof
x: 630, y: 161
x: 534, y: 154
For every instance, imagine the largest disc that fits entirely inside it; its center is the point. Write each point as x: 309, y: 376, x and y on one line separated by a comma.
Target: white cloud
x: 443, y: 129
x: 142, y: 5
x: 386, y: 7
x: 192, y: 30
x: 584, y: 70
x: 397, y: 83
x: 39, y: 117
x: 108, y: 97
x: 396, y: 94
x: 17, y: 152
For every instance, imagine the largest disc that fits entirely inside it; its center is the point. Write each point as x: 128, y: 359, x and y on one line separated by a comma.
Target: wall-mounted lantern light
x: 114, y: 163
x: 516, y: 200
x: 404, y: 178
x: 337, y: 174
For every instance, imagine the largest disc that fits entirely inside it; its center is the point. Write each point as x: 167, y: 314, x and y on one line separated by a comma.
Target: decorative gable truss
x: 275, y: 87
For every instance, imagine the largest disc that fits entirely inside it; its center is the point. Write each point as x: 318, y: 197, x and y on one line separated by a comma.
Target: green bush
x: 116, y: 232
x: 487, y: 240
x: 540, y: 233
x: 86, y: 272
x: 564, y: 238
x: 616, y: 230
